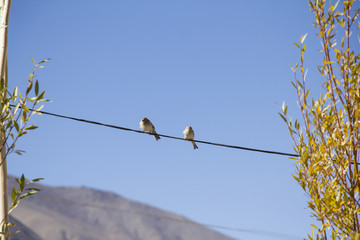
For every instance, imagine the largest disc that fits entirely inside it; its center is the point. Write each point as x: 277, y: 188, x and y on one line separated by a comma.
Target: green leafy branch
x: 23, y: 192
x: 18, y: 194
x: 15, y: 110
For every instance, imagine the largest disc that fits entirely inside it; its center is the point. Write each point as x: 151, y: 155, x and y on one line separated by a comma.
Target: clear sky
x: 220, y: 66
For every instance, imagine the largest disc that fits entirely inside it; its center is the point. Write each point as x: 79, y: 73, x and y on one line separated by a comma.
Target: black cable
x: 162, y: 135
x: 167, y: 136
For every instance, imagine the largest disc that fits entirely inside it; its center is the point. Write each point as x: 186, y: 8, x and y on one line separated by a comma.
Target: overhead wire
x: 167, y: 136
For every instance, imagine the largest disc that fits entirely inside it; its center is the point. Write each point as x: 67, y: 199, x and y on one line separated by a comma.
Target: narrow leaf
x: 31, y: 127
x: 296, y: 44
x: 43, y: 61
x: 33, y: 189
x: 14, y: 194
x: 41, y: 96
x: 302, y: 39
x: 27, y: 194
x: 36, y: 180
x: 36, y: 87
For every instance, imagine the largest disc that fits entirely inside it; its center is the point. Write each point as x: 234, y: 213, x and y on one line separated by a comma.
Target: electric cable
x: 167, y: 136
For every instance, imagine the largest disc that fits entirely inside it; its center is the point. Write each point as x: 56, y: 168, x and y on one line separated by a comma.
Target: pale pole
x: 4, y: 23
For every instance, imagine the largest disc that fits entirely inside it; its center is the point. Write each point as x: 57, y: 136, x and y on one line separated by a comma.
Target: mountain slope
x: 25, y: 232
x: 62, y: 213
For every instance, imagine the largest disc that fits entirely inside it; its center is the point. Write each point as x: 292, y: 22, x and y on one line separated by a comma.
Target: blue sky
x: 220, y: 66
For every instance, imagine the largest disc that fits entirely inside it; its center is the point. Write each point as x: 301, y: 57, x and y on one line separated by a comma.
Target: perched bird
x: 189, y: 135
x: 147, y: 126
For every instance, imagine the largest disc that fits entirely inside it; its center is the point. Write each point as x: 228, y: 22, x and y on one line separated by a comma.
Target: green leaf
x: 14, y: 194
x: 22, y: 133
x: 39, y: 108
x: 314, y: 226
x: 41, y: 96
x: 23, y: 118
x: 36, y: 87
x: 36, y: 180
x: 22, y: 178
x: 16, y: 108
x: 29, y: 87
x: 33, y: 60
x: 15, y: 204
x: 15, y: 92
x: 19, y: 152
x: 19, y: 93
x: 26, y: 109
x: 282, y: 116
x: 16, y: 125
x: 43, y: 61
x: 284, y: 108
x: 31, y: 99
x: 18, y: 180
x: 296, y: 66
x: 22, y: 182
x: 31, y: 127
x: 33, y: 189
x: 296, y: 44
x: 9, y: 224
x: 27, y: 194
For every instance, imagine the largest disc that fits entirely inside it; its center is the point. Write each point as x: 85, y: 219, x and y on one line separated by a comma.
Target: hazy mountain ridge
x: 64, y: 213
x: 25, y: 232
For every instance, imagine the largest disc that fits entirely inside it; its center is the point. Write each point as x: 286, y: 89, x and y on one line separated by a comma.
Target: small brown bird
x: 147, y: 126
x: 189, y: 135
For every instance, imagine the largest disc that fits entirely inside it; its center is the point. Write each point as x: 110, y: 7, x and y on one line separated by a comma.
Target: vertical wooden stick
x: 4, y: 23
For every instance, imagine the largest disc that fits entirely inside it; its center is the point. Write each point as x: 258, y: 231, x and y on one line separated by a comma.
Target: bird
x: 147, y: 126
x: 189, y: 135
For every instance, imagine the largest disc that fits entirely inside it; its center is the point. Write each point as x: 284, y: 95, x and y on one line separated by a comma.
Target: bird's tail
x: 156, y: 136
x: 194, y: 145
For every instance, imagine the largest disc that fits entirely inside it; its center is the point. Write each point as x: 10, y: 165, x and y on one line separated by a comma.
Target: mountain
x: 80, y: 213
x: 25, y: 232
